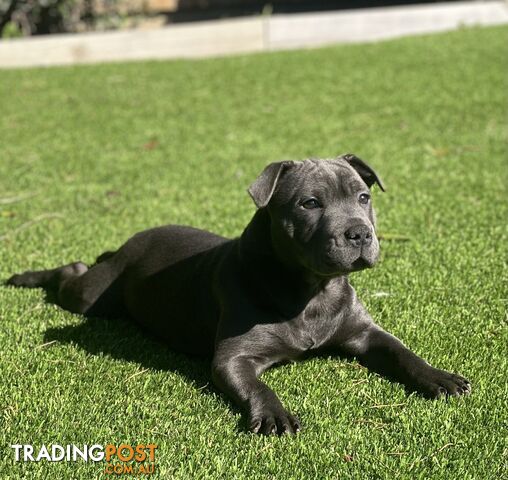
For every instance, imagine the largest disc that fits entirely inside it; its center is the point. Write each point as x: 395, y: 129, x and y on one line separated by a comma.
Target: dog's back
x: 168, y: 284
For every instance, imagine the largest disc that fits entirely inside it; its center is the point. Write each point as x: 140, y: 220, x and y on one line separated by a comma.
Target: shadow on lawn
x: 122, y: 340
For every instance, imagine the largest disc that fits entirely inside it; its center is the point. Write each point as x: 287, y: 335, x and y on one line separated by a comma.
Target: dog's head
x: 321, y: 213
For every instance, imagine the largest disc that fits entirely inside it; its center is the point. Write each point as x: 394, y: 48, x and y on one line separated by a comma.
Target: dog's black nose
x: 359, y: 236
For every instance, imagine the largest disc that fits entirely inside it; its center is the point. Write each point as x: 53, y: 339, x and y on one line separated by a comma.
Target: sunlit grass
x: 90, y: 155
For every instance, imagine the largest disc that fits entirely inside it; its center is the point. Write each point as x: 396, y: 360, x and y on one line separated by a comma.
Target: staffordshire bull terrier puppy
x: 275, y: 294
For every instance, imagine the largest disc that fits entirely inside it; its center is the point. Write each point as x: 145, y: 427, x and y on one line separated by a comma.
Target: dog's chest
x: 318, y: 322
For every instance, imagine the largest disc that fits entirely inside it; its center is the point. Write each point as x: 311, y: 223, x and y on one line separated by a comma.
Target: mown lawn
x: 89, y: 155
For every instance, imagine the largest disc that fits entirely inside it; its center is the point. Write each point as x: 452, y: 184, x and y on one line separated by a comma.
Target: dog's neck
x: 295, y: 287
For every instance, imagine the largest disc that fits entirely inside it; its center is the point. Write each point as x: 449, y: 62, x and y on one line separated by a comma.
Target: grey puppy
x: 276, y: 293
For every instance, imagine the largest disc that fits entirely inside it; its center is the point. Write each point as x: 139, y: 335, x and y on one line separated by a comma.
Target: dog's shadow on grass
x: 122, y: 340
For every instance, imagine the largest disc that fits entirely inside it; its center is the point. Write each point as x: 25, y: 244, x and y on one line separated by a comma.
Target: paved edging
x: 374, y: 24
x: 255, y: 34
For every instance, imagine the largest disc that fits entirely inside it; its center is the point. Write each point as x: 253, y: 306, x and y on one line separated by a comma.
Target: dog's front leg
x: 385, y: 354
x: 236, y: 376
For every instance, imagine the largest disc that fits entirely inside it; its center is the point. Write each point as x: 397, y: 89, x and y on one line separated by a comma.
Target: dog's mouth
x: 333, y: 268
x: 360, y: 263
x: 331, y: 260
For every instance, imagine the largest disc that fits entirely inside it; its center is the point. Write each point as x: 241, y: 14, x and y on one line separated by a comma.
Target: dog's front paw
x: 273, y: 420
x: 435, y: 383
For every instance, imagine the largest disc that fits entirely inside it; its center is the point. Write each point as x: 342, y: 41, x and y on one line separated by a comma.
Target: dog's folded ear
x: 369, y: 176
x: 263, y: 187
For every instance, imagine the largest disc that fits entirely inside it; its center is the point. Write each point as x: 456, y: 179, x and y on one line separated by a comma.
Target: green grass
x: 112, y: 149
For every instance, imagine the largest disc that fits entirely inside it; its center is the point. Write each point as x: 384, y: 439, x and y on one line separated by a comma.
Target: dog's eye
x: 364, y: 198
x: 310, y: 203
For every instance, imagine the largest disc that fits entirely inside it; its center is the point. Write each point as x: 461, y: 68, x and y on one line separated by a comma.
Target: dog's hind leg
x: 98, y: 292
x: 94, y: 291
x: 48, y: 279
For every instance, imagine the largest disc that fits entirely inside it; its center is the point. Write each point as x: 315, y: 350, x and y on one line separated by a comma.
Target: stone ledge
x: 246, y: 35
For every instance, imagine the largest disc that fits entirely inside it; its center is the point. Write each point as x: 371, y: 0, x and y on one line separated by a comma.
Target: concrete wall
x: 254, y: 34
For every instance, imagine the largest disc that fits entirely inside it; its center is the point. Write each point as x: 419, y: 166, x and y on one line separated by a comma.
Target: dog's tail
x: 104, y: 256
